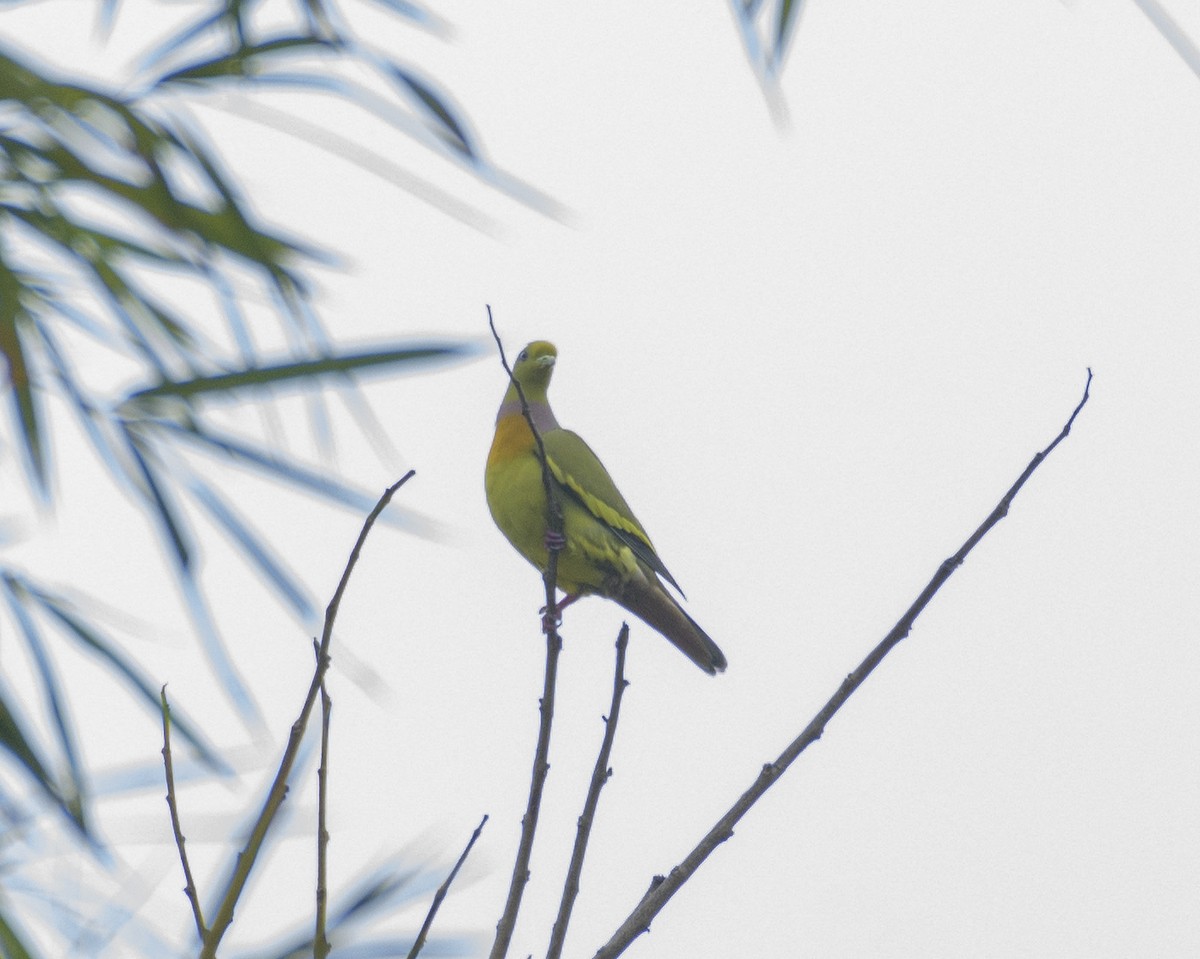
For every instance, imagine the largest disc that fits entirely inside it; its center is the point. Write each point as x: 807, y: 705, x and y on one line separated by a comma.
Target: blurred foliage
x: 107, y: 197
x: 103, y: 194
x: 378, y: 892
x: 1170, y: 30
x: 766, y: 30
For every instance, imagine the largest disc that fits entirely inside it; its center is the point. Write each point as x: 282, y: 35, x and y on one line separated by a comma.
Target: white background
x: 813, y: 357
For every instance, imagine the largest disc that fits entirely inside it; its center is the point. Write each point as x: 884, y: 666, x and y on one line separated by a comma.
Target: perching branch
x: 555, y: 519
x: 189, y: 886
x: 246, y: 858
x: 600, y: 775
x: 444, y: 888
x: 541, y: 764
x: 321, y: 945
x: 663, y: 888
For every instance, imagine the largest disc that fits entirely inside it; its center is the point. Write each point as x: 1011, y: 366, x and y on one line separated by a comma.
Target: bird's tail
x: 650, y: 602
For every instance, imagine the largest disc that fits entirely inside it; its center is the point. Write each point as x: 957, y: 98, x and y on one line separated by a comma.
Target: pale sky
x: 813, y: 356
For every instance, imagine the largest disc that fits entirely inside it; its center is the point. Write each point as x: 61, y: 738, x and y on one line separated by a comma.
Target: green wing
x: 581, y: 475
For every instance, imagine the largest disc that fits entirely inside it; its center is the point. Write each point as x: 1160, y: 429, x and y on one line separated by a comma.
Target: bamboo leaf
x: 244, y: 62
x: 384, y: 890
x: 21, y: 391
x: 18, y: 599
x: 411, y: 10
x: 14, y: 740
x: 451, y: 131
x: 274, y: 465
x: 264, y: 376
x: 1172, y: 32
x: 174, y: 532
x: 92, y: 420
x: 214, y: 649
x: 789, y: 13
x: 100, y: 244
x: 12, y: 945
x: 76, y: 628
x: 17, y: 743
x: 228, y: 226
x: 270, y: 565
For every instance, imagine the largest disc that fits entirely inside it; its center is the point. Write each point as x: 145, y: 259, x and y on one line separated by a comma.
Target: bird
x: 603, y: 550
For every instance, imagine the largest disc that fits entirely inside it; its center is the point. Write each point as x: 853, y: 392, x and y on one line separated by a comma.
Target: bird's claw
x: 552, y: 615
x: 555, y: 541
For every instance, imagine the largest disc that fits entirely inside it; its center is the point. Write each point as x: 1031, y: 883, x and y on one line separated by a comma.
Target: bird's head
x: 534, y: 365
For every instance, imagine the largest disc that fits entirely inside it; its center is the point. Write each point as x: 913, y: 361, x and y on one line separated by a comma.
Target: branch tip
x: 662, y: 889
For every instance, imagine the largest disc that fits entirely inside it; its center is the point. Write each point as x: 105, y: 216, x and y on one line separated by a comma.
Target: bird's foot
x: 552, y: 615
x: 555, y: 541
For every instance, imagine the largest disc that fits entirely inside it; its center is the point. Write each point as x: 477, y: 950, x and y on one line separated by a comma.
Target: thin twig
x: 321, y: 945
x: 246, y: 858
x: 541, y: 764
x: 189, y: 886
x: 600, y: 775
x: 444, y: 888
x: 663, y: 888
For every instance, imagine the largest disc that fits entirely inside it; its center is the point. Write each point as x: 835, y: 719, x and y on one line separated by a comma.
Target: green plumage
x: 607, y: 551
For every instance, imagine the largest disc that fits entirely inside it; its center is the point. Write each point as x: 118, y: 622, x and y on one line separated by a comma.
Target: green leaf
x: 21, y: 389
x: 173, y: 529
x: 270, y: 565
x: 228, y: 226
x: 89, y: 241
x: 99, y: 425
x: 451, y: 131
x: 18, y: 603
x: 278, y: 467
x: 61, y: 610
x: 14, y: 740
x: 12, y: 946
x: 100, y: 255
x: 789, y: 11
x: 264, y: 376
x: 243, y: 62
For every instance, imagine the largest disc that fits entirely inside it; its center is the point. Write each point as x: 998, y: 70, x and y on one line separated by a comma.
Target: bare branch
x: 663, y: 888
x: 444, y: 888
x: 321, y: 945
x: 278, y: 792
x: 600, y: 775
x: 189, y: 886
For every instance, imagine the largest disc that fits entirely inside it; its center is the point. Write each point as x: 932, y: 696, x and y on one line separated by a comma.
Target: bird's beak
x: 546, y: 361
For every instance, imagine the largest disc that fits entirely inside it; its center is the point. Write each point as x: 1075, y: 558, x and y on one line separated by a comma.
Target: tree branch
x: 541, y: 764
x: 278, y: 792
x: 321, y: 945
x: 600, y: 775
x: 663, y: 888
x: 189, y: 886
x: 444, y: 888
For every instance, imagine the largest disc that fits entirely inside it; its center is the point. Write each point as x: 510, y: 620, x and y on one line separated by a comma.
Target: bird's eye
x: 523, y: 356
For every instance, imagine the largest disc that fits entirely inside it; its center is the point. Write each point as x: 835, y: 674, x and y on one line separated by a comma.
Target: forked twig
x: 444, y: 888
x: 541, y: 764
x: 189, y: 886
x: 600, y: 775
x: 663, y: 888
x: 246, y: 858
